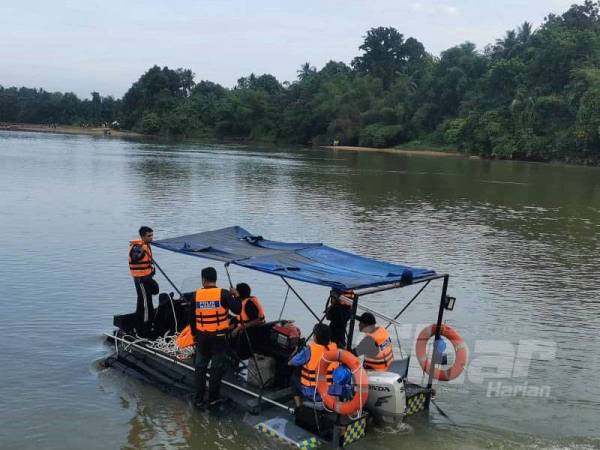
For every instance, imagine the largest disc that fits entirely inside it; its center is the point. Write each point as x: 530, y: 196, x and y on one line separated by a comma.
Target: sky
x: 90, y: 45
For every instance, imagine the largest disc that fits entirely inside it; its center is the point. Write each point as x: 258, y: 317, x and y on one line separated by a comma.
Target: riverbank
x: 402, y: 151
x: 67, y: 129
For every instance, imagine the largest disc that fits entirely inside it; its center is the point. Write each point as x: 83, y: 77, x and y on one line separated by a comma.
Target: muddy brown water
x: 519, y: 240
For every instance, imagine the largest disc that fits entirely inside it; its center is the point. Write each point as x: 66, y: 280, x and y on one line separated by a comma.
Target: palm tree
x: 524, y: 32
x: 305, y: 71
x: 507, y: 46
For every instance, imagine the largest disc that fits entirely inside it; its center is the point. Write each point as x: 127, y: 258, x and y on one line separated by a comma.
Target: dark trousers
x: 295, y: 383
x: 338, y: 333
x: 211, y: 349
x: 144, y: 310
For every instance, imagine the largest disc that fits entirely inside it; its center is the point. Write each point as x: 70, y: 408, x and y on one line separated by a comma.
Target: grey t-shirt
x: 367, y: 346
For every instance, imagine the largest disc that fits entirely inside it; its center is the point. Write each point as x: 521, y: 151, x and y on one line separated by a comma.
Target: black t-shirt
x: 338, y: 316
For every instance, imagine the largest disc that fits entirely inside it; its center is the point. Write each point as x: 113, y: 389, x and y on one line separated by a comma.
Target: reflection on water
x: 519, y: 240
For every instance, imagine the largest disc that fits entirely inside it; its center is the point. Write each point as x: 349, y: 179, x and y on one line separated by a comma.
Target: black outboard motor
x: 126, y: 322
x: 164, y: 321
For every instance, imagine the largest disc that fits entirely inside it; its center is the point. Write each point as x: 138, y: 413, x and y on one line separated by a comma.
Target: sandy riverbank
x: 402, y: 151
x: 67, y: 129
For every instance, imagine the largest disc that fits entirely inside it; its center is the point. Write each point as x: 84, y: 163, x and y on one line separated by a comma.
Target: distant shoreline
x: 108, y: 132
x: 401, y: 151
x: 67, y: 129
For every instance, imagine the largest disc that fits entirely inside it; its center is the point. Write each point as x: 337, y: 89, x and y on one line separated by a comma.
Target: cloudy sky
x: 106, y: 45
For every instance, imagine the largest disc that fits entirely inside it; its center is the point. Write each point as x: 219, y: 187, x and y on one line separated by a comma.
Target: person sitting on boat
x: 252, y: 313
x: 210, y: 326
x: 339, y: 312
x: 376, y: 346
x: 141, y: 267
x: 305, y: 386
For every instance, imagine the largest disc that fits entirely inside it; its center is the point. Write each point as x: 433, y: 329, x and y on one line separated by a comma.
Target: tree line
x: 534, y: 94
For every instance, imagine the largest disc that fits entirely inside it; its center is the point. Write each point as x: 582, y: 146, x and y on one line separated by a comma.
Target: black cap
x: 367, y: 318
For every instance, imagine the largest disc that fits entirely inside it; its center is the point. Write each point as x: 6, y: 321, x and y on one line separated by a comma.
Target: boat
x: 265, y: 393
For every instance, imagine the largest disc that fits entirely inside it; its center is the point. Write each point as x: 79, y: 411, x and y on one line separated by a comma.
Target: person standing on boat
x: 141, y: 268
x: 376, y: 346
x: 339, y: 312
x: 210, y: 325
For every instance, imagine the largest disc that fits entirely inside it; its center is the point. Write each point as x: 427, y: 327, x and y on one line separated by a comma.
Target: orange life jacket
x: 384, y: 358
x: 185, y: 338
x: 143, y: 266
x: 243, y: 317
x: 211, y: 316
x: 308, y: 374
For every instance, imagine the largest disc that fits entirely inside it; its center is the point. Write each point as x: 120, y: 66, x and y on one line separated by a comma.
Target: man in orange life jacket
x: 142, y: 271
x: 309, y: 357
x: 210, y: 323
x: 252, y: 313
x: 376, y: 346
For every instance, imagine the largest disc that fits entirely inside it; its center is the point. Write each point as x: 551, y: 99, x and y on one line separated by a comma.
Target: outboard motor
x: 387, y: 397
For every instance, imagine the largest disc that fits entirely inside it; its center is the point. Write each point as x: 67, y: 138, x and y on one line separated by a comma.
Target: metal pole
x: 378, y: 314
x: 409, y: 303
x: 337, y: 430
x: 228, y: 276
x: 168, y: 279
x: 352, y: 321
x: 387, y: 287
x: 300, y: 298
x: 313, y: 330
x: 438, y: 330
x: 262, y: 384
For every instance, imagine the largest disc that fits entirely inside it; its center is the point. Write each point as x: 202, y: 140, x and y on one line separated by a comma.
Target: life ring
x: 359, y: 375
x: 460, y: 348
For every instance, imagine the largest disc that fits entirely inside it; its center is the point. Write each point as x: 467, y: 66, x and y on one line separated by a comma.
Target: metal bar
x: 228, y: 276
x: 313, y: 330
x: 262, y: 384
x: 438, y: 330
x: 284, y: 303
x: 352, y: 322
x: 378, y: 314
x: 409, y: 303
x: 186, y: 366
x: 300, y: 298
x: 168, y: 279
x: 388, y: 287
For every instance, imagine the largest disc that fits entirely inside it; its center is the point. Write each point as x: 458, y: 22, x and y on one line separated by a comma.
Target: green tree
x: 386, y: 54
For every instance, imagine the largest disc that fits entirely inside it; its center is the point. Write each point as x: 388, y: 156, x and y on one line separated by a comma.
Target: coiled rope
x: 166, y: 344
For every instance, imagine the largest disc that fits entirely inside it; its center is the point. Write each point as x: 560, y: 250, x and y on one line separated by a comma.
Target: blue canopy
x: 312, y: 263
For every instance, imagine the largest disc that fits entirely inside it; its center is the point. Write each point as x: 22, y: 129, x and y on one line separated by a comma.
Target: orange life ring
x: 360, y: 377
x: 460, y: 348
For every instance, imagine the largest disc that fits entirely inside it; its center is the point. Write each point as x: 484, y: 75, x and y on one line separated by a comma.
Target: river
x: 520, y: 241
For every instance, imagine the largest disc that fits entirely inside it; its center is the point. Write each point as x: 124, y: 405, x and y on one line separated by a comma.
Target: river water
x: 519, y: 240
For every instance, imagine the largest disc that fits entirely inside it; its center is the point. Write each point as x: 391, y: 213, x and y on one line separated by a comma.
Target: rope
x: 168, y: 344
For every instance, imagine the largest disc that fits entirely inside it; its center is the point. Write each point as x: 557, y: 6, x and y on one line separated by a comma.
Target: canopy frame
x: 359, y: 292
